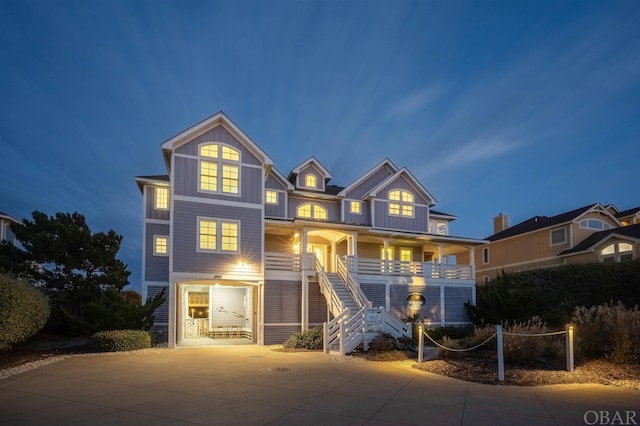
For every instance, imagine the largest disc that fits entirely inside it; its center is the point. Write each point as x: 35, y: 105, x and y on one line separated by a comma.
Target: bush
x: 553, y: 293
x: 447, y: 342
x: 608, y: 330
x: 523, y: 349
x: 383, y: 342
x: 451, y: 331
x: 310, y: 339
x: 24, y: 311
x: 120, y: 340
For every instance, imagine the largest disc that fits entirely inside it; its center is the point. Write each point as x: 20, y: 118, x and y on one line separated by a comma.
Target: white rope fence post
x: 500, y: 354
x: 569, y: 347
x: 420, y: 344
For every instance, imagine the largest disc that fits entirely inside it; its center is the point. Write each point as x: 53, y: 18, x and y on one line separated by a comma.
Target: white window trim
x: 313, y: 208
x: 351, y: 206
x: 595, y: 229
x: 219, y: 223
x: 220, y: 162
x: 486, y: 259
x: 155, y: 198
x: 155, y: 253
x: 566, y: 237
x: 265, y: 197
x: 401, y: 203
x: 406, y: 248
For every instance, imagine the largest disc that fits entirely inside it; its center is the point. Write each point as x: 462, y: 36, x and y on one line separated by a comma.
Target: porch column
x: 260, y: 328
x: 439, y: 253
x: 173, y: 323
x: 305, y: 303
x: 385, y: 257
x: 334, y: 255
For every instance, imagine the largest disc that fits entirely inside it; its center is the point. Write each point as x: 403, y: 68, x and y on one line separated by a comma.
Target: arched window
x: 312, y: 211
x: 400, y: 203
x: 310, y: 181
x: 219, y: 168
x: 617, y: 252
x: 596, y: 224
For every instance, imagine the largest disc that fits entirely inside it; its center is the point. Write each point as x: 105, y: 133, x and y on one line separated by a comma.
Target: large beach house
x: 247, y: 254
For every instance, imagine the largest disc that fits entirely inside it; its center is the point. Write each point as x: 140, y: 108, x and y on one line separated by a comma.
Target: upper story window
x: 271, y: 197
x: 400, y: 203
x: 219, y: 169
x: 215, y: 235
x: 355, y: 207
x: 310, y: 181
x: 160, y: 245
x: 438, y: 227
x: 312, y: 211
x: 596, y: 224
x: 162, y: 199
x: 485, y: 255
x: 406, y: 254
x: 558, y: 236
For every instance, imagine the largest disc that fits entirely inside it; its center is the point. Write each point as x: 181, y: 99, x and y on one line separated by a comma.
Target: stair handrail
x: 352, y: 285
x: 332, y: 331
x: 392, y: 323
x: 336, y: 306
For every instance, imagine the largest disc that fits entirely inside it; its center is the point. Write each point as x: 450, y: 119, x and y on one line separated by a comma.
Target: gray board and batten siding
x: 276, y: 210
x: 310, y: 169
x: 156, y: 267
x: 186, y: 258
x: 186, y: 182
x: 363, y: 218
x: 398, y: 301
x: 150, y: 211
x: 417, y: 223
x: 368, y: 184
x: 219, y: 135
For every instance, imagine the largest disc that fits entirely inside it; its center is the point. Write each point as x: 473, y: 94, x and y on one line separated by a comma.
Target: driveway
x: 251, y: 385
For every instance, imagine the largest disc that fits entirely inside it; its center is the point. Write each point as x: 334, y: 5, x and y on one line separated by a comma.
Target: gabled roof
x: 631, y: 232
x: 280, y: 176
x: 412, y: 180
x: 314, y: 161
x: 153, y: 179
x: 367, y: 175
x: 630, y: 212
x: 204, y: 126
x: 540, y: 222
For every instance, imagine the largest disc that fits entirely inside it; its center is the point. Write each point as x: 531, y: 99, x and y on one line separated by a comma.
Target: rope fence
x: 568, y: 331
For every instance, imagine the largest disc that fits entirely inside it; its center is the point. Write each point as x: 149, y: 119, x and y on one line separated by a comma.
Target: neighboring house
x: 628, y: 217
x: 248, y: 255
x: 589, y: 234
x: 6, y: 234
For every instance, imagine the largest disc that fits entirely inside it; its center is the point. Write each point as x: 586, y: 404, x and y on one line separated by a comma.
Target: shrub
x: 309, y: 339
x: 24, y: 311
x: 522, y: 349
x: 608, y: 330
x: 448, y: 342
x: 383, y: 342
x: 451, y: 331
x: 120, y: 340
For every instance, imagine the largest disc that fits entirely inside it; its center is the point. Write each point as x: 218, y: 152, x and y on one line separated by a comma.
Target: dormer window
x: 400, y: 203
x: 162, y: 198
x: 219, y: 169
x: 310, y: 181
x: 312, y: 211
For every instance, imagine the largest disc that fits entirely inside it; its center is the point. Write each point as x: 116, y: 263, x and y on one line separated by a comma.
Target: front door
x: 320, y: 250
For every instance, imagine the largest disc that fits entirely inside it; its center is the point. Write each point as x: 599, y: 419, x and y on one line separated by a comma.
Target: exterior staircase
x: 354, y: 321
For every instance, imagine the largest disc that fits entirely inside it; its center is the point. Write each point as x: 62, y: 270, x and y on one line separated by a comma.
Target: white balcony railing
x: 295, y: 262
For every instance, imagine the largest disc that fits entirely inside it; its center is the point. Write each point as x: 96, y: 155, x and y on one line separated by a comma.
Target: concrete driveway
x: 251, y: 385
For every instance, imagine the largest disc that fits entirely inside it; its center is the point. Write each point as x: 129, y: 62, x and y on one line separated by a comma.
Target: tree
x: 80, y: 273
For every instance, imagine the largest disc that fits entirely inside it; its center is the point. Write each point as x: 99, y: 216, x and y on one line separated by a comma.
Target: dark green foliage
x: 451, y: 331
x: 553, y: 293
x: 79, y: 272
x: 310, y: 339
x: 385, y: 342
x: 24, y: 310
x: 120, y: 340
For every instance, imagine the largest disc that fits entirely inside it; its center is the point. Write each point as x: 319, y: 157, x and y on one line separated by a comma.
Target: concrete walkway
x: 252, y: 385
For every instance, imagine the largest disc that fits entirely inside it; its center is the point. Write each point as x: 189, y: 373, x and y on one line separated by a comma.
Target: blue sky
x: 520, y: 107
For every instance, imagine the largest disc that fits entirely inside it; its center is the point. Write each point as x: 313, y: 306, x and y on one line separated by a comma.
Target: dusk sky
x: 521, y: 107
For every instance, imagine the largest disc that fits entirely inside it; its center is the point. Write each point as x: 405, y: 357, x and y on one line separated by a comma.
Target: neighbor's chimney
x: 500, y: 223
